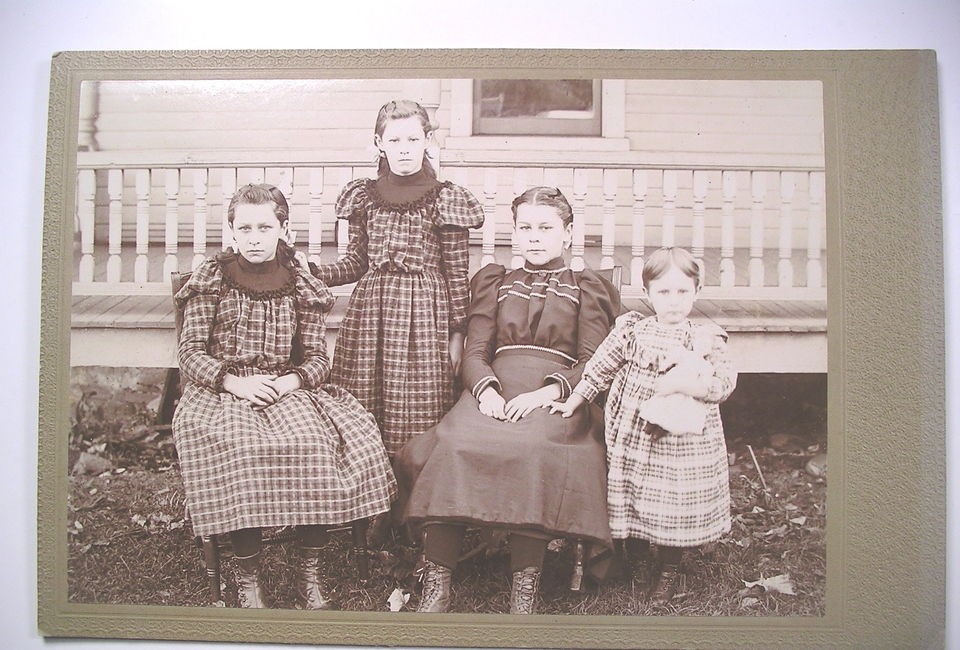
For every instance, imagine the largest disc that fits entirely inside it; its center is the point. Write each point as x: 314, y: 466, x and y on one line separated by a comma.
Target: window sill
x: 534, y: 143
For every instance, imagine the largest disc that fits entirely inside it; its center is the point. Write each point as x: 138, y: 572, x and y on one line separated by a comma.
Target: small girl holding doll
x: 667, y: 487
x: 401, y: 340
x: 263, y: 440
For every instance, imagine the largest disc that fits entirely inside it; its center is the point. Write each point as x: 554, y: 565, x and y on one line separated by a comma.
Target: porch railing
x: 760, y: 232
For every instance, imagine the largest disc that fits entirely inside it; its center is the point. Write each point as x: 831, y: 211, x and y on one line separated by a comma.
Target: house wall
x: 739, y: 124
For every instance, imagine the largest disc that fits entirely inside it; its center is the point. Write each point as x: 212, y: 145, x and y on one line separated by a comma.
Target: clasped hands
x: 493, y: 405
x: 261, y: 390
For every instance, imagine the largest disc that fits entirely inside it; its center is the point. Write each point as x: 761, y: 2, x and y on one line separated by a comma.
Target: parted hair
x: 259, y: 194
x: 661, y: 260
x: 551, y: 196
x: 398, y: 109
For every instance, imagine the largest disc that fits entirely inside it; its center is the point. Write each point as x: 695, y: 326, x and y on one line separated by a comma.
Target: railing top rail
x: 448, y: 159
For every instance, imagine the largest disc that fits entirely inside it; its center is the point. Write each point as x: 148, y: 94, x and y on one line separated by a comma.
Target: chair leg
x: 359, y: 529
x: 576, y: 580
x: 211, y: 557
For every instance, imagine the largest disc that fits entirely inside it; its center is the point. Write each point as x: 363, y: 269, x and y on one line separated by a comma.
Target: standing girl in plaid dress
x: 666, y: 487
x: 262, y: 439
x: 401, y: 340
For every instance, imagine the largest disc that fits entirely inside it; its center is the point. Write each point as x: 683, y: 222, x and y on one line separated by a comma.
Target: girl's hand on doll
x: 492, y: 403
x: 680, y: 380
x: 256, y: 389
x: 525, y: 403
x: 567, y: 408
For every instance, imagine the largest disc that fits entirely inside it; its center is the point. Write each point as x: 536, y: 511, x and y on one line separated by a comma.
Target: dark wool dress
x: 409, y: 257
x: 544, y: 474
x: 313, y: 457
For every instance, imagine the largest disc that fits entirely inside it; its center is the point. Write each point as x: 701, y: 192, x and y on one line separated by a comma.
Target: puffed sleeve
x: 609, y: 357
x: 482, y: 330
x: 724, y: 378
x: 351, y: 205
x: 599, y: 306
x: 198, y: 299
x: 313, y: 300
x: 457, y: 210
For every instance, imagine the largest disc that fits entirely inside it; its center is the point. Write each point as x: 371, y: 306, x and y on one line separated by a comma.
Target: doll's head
x: 672, y: 278
x: 402, y: 134
x: 542, y: 223
x: 258, y: 216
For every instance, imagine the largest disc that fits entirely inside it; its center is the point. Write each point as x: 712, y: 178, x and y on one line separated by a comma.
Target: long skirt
x: 314, y: 457
x: 545, y: 473
x: 392, y: 352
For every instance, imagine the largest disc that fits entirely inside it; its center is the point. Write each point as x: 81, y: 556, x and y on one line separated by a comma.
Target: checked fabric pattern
x: 673, y: 491
x: 410, y: 263
x: 314, y: 457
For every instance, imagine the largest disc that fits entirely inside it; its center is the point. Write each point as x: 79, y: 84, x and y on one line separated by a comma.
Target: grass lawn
x: 129, y: 542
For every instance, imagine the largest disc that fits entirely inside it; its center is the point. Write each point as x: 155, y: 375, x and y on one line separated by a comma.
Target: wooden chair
x: 213, y: 545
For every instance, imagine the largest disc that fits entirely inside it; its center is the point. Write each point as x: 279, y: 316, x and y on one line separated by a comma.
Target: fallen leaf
x: 790, y: 506
x: 139, y: 520
x: 757, y: 510
x: 798, y: 521
x: 779, y: 531
x: 778, y: 584
x: 749, y: 601
x: 398, y: 599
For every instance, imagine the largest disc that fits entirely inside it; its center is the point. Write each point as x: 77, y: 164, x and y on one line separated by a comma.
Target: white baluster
x: 200, y: 211
x: 668, y: 236
x: 284, y: 183
x: 228, y: 185
x: 727, y: 269
x: 86, y: 195
x: 639, y: 226
x: 488, y: 246
x: 814, y: 223
x: 115, y: 232
x: 700, y: 185
x: 609, y: 232
x: 758, y: 193
x: 343, y: 226
x: 141, y: 265
x: 785, y: 265
x: 172, y: 192
x: 519, y: 187
x: 315, y: 211
x: 580, y: 184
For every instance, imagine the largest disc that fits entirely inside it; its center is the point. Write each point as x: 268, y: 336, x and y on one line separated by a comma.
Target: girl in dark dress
x: 499, y: 458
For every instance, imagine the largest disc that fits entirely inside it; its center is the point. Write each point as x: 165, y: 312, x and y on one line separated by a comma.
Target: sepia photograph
x: 470, y: 347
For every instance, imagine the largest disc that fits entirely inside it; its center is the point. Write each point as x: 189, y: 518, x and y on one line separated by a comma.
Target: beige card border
x: 886, y: 496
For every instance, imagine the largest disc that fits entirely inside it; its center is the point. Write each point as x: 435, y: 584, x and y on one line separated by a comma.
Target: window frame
x: 538, y: 126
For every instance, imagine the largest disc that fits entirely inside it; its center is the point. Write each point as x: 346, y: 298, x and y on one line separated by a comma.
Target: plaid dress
x: 313, y: 457
x: 674, y: 491
x: 410, y: 264
x: 544, y: 474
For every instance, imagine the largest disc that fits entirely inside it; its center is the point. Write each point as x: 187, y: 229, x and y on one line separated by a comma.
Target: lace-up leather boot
x: 309, y: 594
x: 249, y: 594
x: 524, y: 591
x: 435, y: 597
x: 666, y: 585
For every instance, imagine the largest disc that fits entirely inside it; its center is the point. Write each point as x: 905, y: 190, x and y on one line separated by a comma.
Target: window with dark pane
x: 536, y: 107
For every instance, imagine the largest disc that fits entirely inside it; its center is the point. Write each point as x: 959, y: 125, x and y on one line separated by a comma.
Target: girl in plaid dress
x: 262, y: 439
x: 666, y: 487
x: 401, y: 340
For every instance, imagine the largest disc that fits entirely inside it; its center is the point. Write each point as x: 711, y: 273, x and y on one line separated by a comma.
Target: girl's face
x: 257, y: 231
x: 403, y: 143
x: 540, y: 233
x: 672, y: 296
